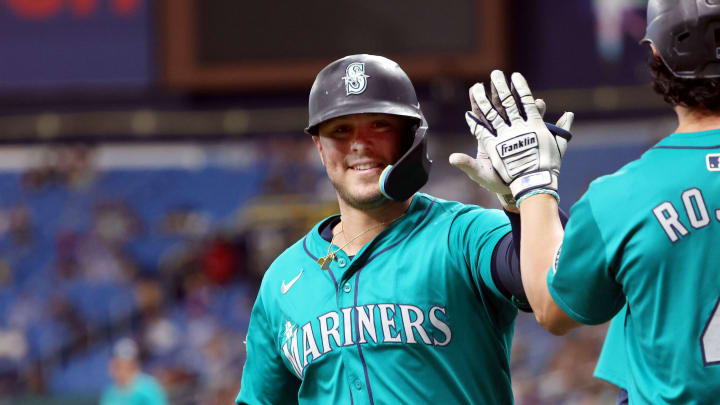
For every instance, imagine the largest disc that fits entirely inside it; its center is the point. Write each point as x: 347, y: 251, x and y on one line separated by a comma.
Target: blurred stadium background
x: 152, y: 164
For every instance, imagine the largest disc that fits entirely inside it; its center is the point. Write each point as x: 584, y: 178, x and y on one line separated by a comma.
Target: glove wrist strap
x: 536, y: 192
x: 543, y: 179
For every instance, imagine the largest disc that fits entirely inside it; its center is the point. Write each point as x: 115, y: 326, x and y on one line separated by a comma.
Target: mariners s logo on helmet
x: 355, y: 78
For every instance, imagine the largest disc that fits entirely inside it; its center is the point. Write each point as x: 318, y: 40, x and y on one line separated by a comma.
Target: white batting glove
x: 480, y: 169
x: 525, y: 154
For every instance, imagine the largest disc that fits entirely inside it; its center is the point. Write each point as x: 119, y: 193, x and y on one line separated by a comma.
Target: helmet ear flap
x: 400, y: 181
x: 411, y: 129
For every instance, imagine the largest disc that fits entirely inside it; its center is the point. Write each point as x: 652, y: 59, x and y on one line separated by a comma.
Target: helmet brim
x: 380, y: 107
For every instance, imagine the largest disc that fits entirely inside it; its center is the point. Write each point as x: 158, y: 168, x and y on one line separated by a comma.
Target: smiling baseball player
x: 402, y: 297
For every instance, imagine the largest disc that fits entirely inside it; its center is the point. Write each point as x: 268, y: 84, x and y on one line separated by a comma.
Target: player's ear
x: 318, y: 145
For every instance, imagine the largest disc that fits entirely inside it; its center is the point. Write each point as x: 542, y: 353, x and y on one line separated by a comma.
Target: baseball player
x: 402, y: 297
x: 130, y: 385
x: 646, y: 237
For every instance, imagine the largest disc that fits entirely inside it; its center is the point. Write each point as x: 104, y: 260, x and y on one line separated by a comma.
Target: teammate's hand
x: 481, y: 171
x: 523, y: 151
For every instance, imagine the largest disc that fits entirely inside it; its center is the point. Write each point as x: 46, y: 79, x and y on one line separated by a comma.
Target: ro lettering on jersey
x: 377, y: 324
x: 695, y: 212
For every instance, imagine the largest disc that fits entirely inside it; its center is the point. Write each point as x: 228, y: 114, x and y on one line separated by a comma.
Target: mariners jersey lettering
x: 385, y: 326
x: 648, y: 236
x: 381, y: 323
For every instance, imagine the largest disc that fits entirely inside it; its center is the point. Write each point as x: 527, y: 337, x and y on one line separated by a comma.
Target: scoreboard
x: 75, y: 43
x: 263, y: 44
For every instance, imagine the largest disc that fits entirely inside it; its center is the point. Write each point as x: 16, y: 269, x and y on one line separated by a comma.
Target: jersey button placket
x: 350, y: 353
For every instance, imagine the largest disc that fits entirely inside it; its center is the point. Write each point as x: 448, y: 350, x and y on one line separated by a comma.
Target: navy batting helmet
x: 360, y: 84
x: 686, y: 34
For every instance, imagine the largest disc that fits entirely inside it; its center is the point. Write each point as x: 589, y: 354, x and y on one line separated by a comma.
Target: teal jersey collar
x: 316, y: 246
x: 691, y: 140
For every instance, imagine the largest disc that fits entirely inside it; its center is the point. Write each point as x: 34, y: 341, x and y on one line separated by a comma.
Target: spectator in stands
x: 20, y: 226
x: 221, y: 259
x: 130, y: 385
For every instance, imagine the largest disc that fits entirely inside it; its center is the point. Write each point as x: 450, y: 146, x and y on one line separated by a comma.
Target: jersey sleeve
x: 265, y: 379
x: 474, y: 234
x: 581, y: 281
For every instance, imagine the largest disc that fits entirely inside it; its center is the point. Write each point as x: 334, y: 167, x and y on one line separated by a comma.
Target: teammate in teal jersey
x: 130, y: 385
x: 403, y: 297
x: 645, y: 237
x: 612, y: 366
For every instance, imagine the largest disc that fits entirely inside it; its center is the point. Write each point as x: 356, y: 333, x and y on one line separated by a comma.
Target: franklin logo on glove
x: 518, y: 144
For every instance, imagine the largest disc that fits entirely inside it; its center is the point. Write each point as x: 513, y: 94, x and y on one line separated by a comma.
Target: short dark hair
x: 701, y: 94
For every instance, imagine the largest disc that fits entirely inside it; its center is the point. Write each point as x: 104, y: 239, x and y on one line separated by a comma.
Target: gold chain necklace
x: 325, y: 261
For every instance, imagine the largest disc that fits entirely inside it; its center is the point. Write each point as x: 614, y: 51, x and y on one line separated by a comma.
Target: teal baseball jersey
x: 649, y: 236
x: 142, y: 390
x: 612, y: 366
x: 413, y: 318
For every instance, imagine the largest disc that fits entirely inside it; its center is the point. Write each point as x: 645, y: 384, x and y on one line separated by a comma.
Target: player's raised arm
x: 542, y: 236
x: 525, y: 157
x: 506, y: 256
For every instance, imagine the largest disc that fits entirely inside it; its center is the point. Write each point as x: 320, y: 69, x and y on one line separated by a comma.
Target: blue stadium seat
x: 101, y: 303
x: 83, y: 374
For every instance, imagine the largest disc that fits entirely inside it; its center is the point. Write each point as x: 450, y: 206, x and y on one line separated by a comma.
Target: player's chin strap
x: 400, y: 181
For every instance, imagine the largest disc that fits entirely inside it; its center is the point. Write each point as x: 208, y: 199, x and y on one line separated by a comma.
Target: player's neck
x: 355, y: 221
x: 694, y: 120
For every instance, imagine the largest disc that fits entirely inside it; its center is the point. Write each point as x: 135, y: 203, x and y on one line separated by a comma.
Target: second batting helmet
x: 686, y: 34
x: 359, y: 84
